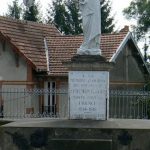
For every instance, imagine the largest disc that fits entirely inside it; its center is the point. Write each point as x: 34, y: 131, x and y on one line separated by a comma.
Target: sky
x: 117, y: 7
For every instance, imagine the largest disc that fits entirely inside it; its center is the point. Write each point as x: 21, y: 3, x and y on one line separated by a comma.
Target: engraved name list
x: 88, y: 94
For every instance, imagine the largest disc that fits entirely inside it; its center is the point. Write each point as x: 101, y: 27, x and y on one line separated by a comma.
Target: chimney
x: 125, y: 29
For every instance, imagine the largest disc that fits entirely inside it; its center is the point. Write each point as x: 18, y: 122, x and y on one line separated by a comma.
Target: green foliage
x: 140, y: 11
x: 64, y: 14
x: 58, y: 15
x: 14, y: 10
x: 32, y: 13
x: 74, y: 17
x: 106, y: 19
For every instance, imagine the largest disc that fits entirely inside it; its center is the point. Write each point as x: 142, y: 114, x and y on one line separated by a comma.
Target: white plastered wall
x: 14, y: 104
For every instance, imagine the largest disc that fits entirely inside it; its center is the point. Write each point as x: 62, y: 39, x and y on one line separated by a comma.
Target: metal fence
x: 33, y: 103
x: 130, y: 104
x: 41, y: 103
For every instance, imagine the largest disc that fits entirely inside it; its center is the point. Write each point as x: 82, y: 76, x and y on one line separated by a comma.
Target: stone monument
x: 89, y: 70
x: 89, y: 87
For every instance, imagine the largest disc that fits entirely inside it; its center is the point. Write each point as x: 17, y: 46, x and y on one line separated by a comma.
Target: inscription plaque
x: 88, y: 94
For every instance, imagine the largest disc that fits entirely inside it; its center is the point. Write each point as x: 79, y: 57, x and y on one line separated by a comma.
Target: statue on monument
x: 91, y: 20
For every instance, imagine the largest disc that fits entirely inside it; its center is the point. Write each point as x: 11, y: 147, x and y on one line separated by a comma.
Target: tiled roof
x: 62, y: 48
x: 28, y: 38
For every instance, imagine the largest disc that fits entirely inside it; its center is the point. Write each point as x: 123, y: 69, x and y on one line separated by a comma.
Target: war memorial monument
x: 89, y: 71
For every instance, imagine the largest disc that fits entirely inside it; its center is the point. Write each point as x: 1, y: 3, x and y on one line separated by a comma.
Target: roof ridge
x: 81, y: 35
x: 114, y: 33
x: 25, y: 21
x: 16, y: 47
x: 65, y: 36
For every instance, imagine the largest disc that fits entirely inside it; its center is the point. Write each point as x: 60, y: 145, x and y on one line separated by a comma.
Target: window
x: 50, y: 98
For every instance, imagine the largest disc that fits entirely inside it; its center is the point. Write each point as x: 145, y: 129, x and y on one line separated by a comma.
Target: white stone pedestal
x: 89, y: 87
x: 88, y: 94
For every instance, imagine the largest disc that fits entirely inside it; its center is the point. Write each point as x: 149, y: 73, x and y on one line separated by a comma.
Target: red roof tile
x: 62, y: 48
x: 28, y: 37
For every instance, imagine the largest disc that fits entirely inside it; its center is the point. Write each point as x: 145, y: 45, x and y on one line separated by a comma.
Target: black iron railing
x: 40, y: 103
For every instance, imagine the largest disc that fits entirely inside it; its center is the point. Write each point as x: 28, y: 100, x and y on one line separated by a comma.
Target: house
x: 31, y: 56
x: 22, y: 61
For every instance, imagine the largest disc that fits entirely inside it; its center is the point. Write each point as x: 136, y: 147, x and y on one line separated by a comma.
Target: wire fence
x: 41, y: 103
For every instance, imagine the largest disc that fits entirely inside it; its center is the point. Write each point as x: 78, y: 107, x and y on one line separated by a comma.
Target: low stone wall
x: 18, y: 138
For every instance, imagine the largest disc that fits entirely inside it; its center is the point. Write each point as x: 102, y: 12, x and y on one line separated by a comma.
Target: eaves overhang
x: 121, y: 46
x: 16, y: 49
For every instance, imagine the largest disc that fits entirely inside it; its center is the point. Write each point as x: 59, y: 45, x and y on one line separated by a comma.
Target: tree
x: 32, y: 13
x: 107, y: 25
x: 14, y: 10
x: 75, y: 20
x: 58, y: 16
x: 140, y: 11
x: 64, y: 14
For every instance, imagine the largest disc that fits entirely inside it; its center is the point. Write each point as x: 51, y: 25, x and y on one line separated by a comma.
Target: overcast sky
x: 117, y: 7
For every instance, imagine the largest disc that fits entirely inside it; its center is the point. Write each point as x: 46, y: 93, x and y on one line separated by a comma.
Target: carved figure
x: 91, y: 19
